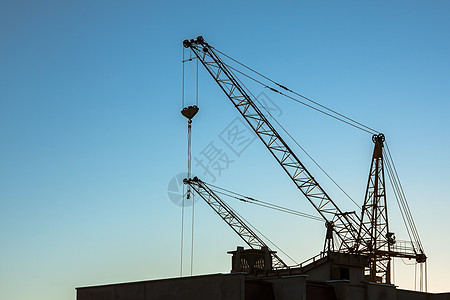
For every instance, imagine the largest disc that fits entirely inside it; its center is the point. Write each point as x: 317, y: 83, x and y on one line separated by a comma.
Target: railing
x: 310, y: 260
x: 405, y: 247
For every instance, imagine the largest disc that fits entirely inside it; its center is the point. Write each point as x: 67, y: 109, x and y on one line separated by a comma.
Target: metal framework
x: 379, y: 243
x: 374, y: 216
x: 344, y: 224
x: 231, y: 218
x: 368, y: 235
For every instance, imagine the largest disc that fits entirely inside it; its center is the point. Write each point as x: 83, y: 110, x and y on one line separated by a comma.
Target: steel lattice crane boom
x: 344, y: 224
x: 231, y: 218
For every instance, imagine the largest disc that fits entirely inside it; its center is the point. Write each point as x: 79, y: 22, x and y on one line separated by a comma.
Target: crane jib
x: 233, y: 220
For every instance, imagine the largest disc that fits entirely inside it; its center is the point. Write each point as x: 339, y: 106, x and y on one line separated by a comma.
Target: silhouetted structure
x: 331, y: 276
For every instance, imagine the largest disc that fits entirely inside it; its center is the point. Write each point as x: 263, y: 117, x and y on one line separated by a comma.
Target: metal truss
x: 344, y: 224
x: 379, y: 243
x: 231, y: 218
x: 374, y: 216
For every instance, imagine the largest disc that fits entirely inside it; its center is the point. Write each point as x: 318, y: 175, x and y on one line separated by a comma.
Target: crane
x: 344, y: 224
x: 369, y: 234
x: 231, y: 218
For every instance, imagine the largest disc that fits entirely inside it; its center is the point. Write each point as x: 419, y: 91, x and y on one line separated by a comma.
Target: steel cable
x: 251, y: 200
x: 406, y: 205
x: 402, y: 203
x: 368, y: 129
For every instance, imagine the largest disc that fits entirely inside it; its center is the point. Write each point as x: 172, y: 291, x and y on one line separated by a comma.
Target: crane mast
x: 344, y: 224
x: 379, y: 243
x: 231, y: 218
x: 374, y: 216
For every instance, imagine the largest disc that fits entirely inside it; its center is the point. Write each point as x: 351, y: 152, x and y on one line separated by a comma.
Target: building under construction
x: 331, y: 276
x: 359, y: 246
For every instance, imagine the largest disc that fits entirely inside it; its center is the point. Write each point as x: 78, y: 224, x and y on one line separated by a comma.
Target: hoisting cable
x: 189, y: 188
x: 182, y: 233
x: 183, y: 195
x: 261, y: 203
x: 192, y: 233
x: 408, y: 211
x: 295, y: 141
x: 188, y: 112
x: 404, y: 203
x: 415, y: 276
x: 409, y: 223
x: 397, y: 195
x: 190, y: 171
x: 393, y: 271
x: 189, y: 155
x: 404, y: 209
x: 368, y: 129
x: 196, y: 91
x: 182, y: 84
x: 421, y: 277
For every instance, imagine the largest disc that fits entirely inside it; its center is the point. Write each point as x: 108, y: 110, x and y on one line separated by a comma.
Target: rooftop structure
x: 331, y: 276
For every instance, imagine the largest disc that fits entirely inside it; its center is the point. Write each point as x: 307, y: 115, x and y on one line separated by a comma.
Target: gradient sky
x: 91, y: 134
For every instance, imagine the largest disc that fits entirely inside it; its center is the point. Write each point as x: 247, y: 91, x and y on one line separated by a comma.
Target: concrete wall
x: 328, y: 271
x: 289, y: 287
x: 380, y: 292
x: 220, y: 287
x: 412, y: 295
x: 236, y: 286
x: 356, y: 275
x: 298, y: 288
x: 320, y: 273
x: 346, y: 291
x: 443, y: 296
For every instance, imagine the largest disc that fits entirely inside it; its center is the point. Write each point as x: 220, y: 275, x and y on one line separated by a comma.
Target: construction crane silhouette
x: 367, y: 234
x: 231, y: 218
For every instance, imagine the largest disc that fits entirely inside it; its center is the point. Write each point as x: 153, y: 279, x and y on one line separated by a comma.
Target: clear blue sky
x: 91, y: 134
